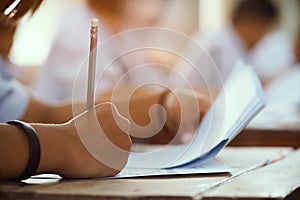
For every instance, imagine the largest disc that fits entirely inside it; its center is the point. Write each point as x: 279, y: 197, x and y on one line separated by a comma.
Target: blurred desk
x: 268, y: 137
x: 252, y: 177
x: 271, y: 129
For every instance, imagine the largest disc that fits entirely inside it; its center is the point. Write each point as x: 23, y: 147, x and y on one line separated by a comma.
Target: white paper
x: 241, y: 99
x: 206, y: 168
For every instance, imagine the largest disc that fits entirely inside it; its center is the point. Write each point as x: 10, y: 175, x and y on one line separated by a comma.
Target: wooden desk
x: 252, y: 178
x: 268, y: 137
x: 271, y: 131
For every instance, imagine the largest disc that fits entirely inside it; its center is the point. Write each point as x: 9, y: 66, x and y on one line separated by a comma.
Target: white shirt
x: 283, y: 101
x: 269, y: 57
x: 285, y: 89
x: 70, y: 51
x: 13, y: 98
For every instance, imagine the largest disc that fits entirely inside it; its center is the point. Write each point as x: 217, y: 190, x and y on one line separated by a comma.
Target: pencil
x: 92, y: 64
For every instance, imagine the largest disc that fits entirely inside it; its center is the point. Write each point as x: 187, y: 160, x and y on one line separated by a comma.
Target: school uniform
x: 219, y: 52
x: 13, y: 98
x: 65, y: 69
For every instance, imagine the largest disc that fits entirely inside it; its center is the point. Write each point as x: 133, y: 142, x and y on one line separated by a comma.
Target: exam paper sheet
x: 206, y: 168
x: 240, y: 100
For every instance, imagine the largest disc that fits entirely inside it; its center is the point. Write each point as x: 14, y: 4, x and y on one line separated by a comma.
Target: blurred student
x: 71, y: 45
x: 17, y: 103
x: 251, y: 38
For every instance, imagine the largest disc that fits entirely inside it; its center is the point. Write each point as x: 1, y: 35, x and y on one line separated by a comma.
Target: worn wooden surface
x: 252, y: 178
x: 276, y: 181
x: 268, y: 137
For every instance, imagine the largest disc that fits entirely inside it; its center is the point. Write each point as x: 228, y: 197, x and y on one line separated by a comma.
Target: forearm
x: 136, y: 108
x: 184, y: 110
x: 14, y: 150
x: 39, y: 112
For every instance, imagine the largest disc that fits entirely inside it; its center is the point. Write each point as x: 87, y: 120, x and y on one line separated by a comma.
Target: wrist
x: 52, y: 141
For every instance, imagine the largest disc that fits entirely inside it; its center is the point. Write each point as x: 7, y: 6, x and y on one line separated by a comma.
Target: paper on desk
x: 240, y: 100
x: 206, y: 168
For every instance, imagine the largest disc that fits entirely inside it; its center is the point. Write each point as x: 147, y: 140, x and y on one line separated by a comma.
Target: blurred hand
x: 185, y: 109
x: 92, y: 152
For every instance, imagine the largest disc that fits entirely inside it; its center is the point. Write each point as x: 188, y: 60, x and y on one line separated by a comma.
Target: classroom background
x: 185, y: 16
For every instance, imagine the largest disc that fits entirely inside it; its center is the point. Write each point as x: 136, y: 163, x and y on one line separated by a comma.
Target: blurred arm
x: 136, y: 108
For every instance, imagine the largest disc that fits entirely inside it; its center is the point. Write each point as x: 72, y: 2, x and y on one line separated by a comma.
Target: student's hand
x: 90, y: 153
x: 185, y: 109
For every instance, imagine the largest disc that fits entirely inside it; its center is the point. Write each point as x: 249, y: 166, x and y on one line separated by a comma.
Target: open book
x: 240, y: 100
